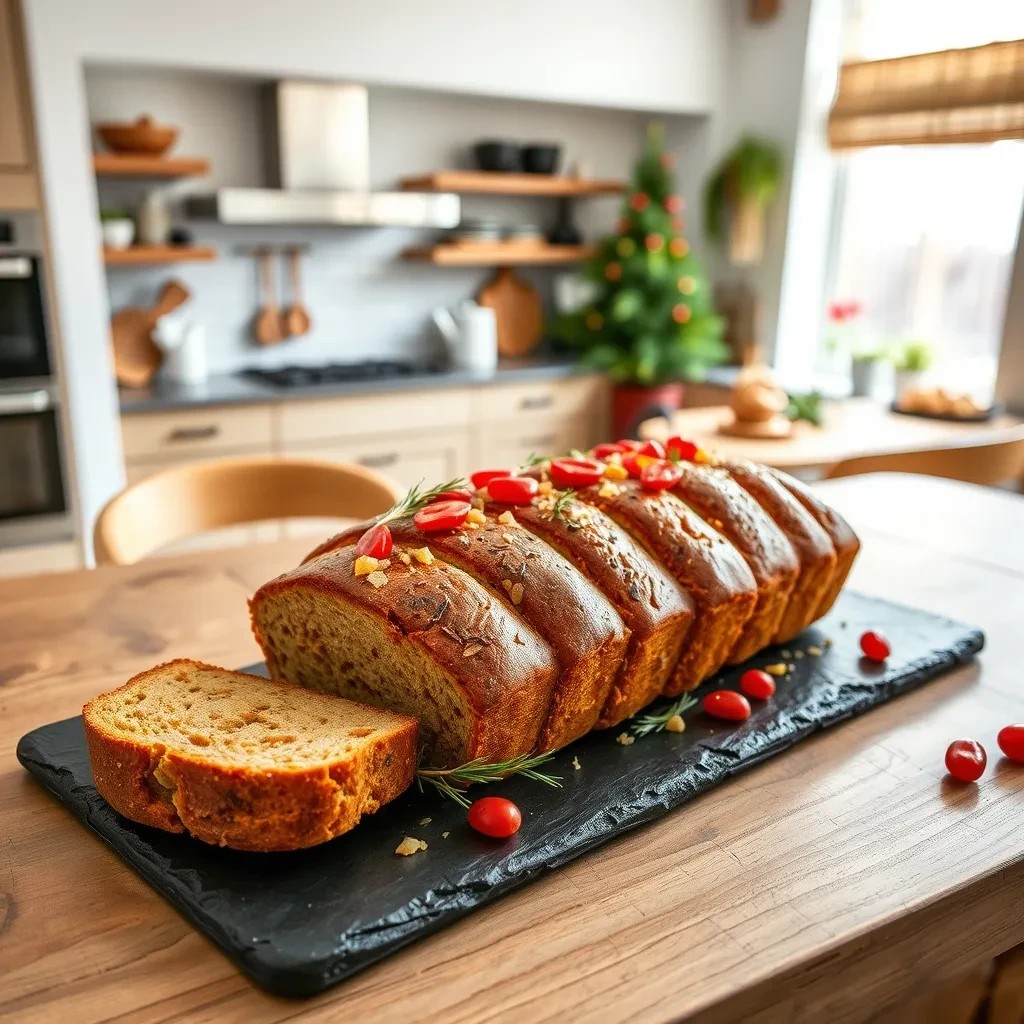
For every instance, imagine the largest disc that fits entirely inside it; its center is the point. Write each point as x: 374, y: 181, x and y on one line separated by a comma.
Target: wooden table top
x: 821, y: 885
x: 853, y: 426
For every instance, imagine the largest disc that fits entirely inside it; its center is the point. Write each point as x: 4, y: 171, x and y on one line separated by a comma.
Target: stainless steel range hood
x: 318, y: 155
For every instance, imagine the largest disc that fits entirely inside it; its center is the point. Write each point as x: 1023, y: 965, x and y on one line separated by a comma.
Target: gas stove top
x: 337, y: 373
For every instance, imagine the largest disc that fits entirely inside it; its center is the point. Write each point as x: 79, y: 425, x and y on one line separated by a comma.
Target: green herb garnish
x: 452, y: 782
x: 416, y: 499
x: 644, y: 725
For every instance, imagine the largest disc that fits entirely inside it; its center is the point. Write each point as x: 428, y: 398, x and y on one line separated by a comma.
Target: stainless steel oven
x: 33, y: 502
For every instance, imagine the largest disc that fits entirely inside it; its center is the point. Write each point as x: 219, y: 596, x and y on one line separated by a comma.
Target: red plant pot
x: 634, y: 403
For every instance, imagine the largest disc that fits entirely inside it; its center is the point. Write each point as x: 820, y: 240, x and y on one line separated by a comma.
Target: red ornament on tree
x: 679, y: 247
x: 654, y: 243
x: 674, y: 204
x: 681, y: 312
x: 639, y: 201
x: 613, y: 272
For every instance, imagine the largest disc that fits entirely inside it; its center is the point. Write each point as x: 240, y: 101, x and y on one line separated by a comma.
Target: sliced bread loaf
x: 242, y: 761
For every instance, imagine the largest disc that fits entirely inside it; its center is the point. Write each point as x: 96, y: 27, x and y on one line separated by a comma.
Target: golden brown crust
x: 811, y: 543
x: 580, y: 624
x: 264, y: 808
x: 652, y: 604
x: 844, y: 540
x: 507, y: 677
x: 711, y: 571
x: 719, y: 500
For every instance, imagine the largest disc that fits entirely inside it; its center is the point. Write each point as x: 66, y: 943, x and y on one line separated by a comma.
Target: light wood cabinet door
x: 15, y: 146
x: 185, y: 434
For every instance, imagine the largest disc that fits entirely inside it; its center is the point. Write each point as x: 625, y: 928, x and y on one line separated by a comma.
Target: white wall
x: 659, y: 55
x: 365, y: 301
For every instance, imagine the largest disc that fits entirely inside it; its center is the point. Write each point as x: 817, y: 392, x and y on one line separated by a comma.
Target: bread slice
x: 521, y: 571
x: 242, y: 761
x: 422, y: 639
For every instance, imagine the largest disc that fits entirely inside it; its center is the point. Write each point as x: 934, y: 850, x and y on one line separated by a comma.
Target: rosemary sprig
x: 452, y: 782
x: 533, y: 459
x: 416, y: 499
x: 644, y: 725
x: 561, y: 507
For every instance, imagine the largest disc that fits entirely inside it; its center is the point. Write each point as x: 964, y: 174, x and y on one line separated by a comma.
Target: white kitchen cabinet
x: 19, y: 185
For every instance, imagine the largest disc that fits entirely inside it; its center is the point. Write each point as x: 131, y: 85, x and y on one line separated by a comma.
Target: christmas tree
x: 651, y: 319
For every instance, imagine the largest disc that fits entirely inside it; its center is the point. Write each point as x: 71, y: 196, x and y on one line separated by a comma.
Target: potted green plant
x: 650, y: 323
x: 117, y: 228
x: 911, y: 360
x: 738, y: 192
x: 866, y: 365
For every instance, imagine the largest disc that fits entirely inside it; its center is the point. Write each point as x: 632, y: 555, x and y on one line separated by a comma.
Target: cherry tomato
x: 757, y: 684
x: 634, y: 463
x: 376, y: 542
x: 727, y: 704
x: 1011, y: 742
x: 495, y: 816
x: 875, y: 646
x: 966, y: 760
x: 660, y: 475
x: 631, y: 445
x: 482, y: 477
x: 602, y: 451
x: 512, y: 490
x: 454, y: 496
x: 575, y: 472
x: 655, y: 448
x: 442, y: 515
x: 681, y: 449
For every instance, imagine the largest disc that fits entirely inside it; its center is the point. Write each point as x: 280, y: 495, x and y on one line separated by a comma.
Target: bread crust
x: 844, y: 540
x: 811, y: 543
x: 506, y: 681
x: 706, y: 565
x: 582, y: 627
x: 263, y: 809
x: 719, y: 500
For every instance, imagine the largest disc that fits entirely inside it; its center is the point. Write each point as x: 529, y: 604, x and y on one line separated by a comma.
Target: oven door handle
x: 15, y: 267
x: 20, y: 402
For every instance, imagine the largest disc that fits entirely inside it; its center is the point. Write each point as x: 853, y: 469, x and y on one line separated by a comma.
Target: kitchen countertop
x: 232, y: 389
x: 826, y: 884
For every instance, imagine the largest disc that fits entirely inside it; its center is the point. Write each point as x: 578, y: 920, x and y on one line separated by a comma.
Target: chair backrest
x: 977, y: 462
x: 190, y: 499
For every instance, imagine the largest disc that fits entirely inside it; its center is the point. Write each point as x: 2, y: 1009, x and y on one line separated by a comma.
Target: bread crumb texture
x: 408, y: 846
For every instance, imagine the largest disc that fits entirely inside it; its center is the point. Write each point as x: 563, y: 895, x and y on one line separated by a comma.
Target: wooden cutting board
x: 136, y: 355
x: 518, y: 312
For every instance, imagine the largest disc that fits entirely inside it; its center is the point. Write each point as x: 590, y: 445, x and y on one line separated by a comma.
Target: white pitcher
x: 471, y: 334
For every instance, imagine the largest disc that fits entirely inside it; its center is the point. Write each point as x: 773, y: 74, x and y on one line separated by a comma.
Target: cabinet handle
x: 537, y: 402
x: 194, y: 433
x: 378, y: 461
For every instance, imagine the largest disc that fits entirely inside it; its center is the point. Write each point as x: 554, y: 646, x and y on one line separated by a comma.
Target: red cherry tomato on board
x: 757, y: 684
x: 602, y: 451
x: 660, y: 476
x: 376, y: 542
x: 681, y: 449
x: 1011, y: 742
x: 631, y: 445
x: 495, y: 816
x: 575, y: 472
x: 875, y: 646
x: 442, y: 515
x: 482, y: 477
x: 727, y: 704
x: 966, y: 760
x: 655, y: 448
x: 512, y: 490
x: 453, y: 496
x: 634, y: 463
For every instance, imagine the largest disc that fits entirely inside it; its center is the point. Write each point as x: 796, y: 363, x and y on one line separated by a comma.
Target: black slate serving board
x: 298, y: 923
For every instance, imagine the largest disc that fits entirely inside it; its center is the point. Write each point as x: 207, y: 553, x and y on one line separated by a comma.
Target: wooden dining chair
x: 191, y: 499
x: 980, y: 461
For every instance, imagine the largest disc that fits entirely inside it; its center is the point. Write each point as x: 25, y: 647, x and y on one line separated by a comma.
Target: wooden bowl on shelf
x: 141, y: 136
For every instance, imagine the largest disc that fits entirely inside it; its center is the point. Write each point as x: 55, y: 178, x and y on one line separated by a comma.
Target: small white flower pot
x: 908, y: 380
x: 865, y: 377
x: 118, y: 234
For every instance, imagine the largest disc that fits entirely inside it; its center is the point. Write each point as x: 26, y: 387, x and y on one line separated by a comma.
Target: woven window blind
x: 972, y: 95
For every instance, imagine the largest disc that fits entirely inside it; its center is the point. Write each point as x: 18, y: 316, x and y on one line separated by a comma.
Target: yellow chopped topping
x: 546, y: 487
x: 615, y: 459
x: 423, y: 555
x: 378, y: 579
x: 608, y: 489
x: 365, y: 564
x: 476, y: 516
x: 675, y: 724
x: 814, y: 652
x: 507, y: 518
x: 405, y: 557
x: 778, y: 669
x: 408, y: 846
x: 615, y: 471
x: 625, y: 740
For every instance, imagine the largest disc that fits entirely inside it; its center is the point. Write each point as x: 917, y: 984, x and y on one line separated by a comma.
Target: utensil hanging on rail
x: 295, y: 320
x: 266, y: 325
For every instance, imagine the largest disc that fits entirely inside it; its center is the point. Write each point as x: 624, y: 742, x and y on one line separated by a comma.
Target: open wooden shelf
x: 498, y: 184
x: 497, y: 254
x: 130, y: 165
x: 140, y: 255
